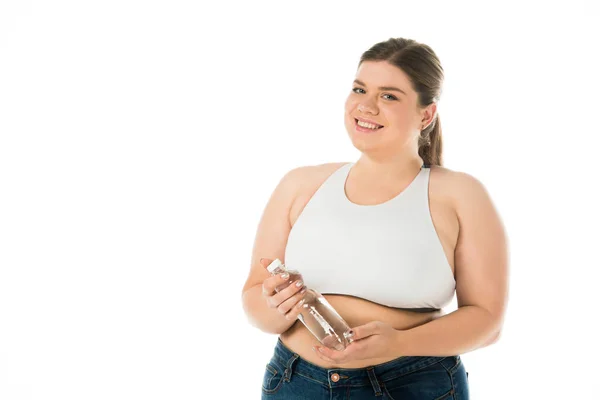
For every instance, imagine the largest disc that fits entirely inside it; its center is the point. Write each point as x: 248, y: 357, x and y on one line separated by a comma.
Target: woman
x: 388, y: 240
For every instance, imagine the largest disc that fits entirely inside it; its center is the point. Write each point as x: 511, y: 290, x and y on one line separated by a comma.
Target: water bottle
x: 316, y: 313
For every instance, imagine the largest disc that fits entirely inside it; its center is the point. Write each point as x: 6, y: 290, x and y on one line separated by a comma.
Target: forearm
x: 261, y: 315
x: 461, y: 331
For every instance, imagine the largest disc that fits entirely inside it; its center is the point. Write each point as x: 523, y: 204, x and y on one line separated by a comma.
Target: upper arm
x: 481, y: 254
x: 274, y: 226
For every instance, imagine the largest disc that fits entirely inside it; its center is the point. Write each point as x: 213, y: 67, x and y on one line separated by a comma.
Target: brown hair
x: 420, y: 63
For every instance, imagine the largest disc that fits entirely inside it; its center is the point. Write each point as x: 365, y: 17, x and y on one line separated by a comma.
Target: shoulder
x: 312, y: 176
x: 466, y: 192
x: 456, y: 179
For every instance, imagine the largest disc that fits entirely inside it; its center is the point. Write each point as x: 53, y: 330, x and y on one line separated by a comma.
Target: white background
x: 140, y: 141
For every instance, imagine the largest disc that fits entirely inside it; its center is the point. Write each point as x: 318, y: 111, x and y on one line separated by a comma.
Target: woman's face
x: 374, y: 98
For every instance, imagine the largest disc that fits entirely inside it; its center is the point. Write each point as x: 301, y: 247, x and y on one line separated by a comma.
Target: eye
x: 391, y: 96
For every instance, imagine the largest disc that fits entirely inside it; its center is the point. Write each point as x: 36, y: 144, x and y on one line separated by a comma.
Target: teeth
x: 367, y: 125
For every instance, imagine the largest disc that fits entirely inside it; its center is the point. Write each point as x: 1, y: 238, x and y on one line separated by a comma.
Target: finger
x: 265, y: 262
x: 274, y: 300
x: 330, y: 354
x: 269, y: 284
x: 322, y: 356
x: 291, y: 296
x: 288, y: 292
x: 351, y: 352
x: 366, y: 330
x: 298, y: 306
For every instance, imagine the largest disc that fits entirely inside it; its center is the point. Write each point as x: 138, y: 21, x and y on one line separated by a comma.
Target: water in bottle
x: 316, y: 313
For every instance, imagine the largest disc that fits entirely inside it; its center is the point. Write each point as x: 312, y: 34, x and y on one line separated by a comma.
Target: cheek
x: 348, y: 122
x: 348, y: 110
x: 400, y: 117
x: 350, y: 104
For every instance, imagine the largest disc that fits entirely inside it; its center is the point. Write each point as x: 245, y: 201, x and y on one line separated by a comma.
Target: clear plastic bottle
x: 316, y: 313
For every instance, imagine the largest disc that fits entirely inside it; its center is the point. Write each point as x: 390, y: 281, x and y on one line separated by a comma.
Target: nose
x: 364, y: 108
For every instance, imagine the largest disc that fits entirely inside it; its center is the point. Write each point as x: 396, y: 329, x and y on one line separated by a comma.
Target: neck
x: 398, y: 167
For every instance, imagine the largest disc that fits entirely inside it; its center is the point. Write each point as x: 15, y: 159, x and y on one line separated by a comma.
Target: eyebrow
x: 382, y: 87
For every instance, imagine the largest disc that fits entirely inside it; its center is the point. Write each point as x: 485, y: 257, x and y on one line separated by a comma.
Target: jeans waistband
x: 370, y: 375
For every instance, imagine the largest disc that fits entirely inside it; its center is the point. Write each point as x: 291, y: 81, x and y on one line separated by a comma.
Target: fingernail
x: 299, y: 284
x: 285, y: 275
x: 303, y: 290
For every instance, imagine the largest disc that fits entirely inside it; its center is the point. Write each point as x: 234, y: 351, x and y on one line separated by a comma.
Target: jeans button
x: 335, y: 377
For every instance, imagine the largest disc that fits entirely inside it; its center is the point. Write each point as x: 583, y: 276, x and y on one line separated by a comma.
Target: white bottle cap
x: 274, y: 265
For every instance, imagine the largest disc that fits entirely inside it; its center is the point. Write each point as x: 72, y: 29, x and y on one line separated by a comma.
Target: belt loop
x: 287, y: 374
x: 374, y: 382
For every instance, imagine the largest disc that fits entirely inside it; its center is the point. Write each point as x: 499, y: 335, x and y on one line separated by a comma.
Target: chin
x: 365, y: 145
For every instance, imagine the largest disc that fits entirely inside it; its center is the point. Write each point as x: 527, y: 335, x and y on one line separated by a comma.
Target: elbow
x: 254, y: 317
x: 496, y: 337
x: 493, y: 339
x: 497, y: 323
x: 247, y: 308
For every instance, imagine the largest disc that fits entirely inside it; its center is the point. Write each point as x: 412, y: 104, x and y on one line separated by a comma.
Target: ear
x: 428, y: 114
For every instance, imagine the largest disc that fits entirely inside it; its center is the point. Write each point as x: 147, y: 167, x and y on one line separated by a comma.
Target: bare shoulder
x: 309, y: 177
x: 461, y: 188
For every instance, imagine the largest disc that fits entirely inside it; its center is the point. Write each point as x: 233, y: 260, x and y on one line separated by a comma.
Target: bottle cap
x: 274, y: 265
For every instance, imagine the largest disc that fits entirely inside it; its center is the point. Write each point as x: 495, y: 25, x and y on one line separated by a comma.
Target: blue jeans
x: 288, y: 376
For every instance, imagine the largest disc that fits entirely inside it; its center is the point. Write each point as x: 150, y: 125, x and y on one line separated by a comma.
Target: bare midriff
x: 356, y: 312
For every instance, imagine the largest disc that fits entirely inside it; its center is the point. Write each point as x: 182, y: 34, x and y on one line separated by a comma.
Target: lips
x: 356, y: 124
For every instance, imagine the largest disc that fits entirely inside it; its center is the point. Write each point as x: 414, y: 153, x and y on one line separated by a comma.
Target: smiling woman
x: 389, y: 240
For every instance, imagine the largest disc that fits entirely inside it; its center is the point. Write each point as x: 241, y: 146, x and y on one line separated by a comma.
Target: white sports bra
x: 386, y: 253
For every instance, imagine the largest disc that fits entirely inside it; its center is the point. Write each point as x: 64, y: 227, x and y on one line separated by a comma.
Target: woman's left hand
x: 372, y: 340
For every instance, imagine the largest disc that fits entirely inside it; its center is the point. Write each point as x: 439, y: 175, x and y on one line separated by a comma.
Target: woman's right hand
x: 287, y: 301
